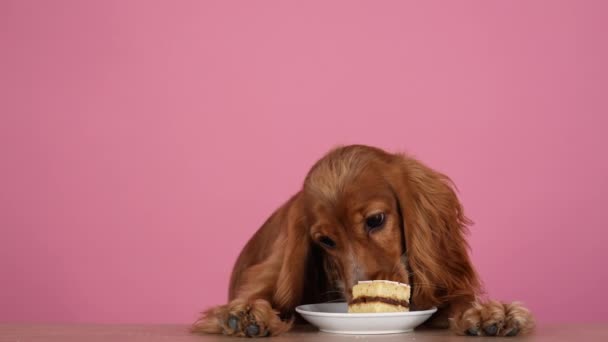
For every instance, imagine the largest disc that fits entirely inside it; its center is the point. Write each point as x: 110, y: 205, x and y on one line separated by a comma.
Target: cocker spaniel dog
x: 362, y: 214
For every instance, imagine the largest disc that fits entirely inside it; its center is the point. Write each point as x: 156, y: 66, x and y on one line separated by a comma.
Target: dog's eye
x: 374, y: 222
x: 327, y: 242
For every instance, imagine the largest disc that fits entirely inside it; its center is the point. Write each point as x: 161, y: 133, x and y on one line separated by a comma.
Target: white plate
x: 334, y: 318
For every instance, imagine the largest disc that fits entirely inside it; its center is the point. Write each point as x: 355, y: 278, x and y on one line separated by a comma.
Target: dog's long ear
x: 274, y: 262
x: 435, y: 227
x: 295, y: 242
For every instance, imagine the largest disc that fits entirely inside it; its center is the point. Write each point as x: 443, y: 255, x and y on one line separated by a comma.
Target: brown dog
x: 362, y: 214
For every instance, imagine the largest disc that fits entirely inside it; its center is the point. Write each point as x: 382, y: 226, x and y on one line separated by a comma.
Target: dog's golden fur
x: 421, y: 242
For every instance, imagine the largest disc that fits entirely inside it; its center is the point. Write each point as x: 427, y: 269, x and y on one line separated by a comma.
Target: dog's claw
x: 233, y: 322
x: 472, y: 332
x: 252, y: 330
x: 491, y: 330
x: 513, y: 332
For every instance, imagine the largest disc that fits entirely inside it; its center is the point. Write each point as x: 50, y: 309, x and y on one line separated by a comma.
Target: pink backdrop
x: 143, y: 142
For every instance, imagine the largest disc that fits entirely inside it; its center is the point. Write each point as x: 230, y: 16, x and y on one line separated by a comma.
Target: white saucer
x: 334, y: 318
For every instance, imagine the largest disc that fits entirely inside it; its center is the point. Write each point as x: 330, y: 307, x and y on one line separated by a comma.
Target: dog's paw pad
x: 512, y: 332
x: 243, y: 318
x: 472, y: 332
x: 493, y: 319
x: 252, y: 330
x: 233, y: 323
x: 491, y: 330
x: 242, y: 324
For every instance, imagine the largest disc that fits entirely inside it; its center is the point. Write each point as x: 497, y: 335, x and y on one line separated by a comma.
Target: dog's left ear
x: 435, y: 227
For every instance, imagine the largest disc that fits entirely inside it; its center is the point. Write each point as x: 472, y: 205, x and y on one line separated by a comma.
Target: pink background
x: 143, y: 142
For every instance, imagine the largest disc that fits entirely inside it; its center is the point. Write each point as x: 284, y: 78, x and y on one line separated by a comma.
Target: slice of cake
x: 380, y: 296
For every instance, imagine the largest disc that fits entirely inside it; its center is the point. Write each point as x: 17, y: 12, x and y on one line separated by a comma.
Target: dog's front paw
x: 242, y: 318
x: 493, y: 319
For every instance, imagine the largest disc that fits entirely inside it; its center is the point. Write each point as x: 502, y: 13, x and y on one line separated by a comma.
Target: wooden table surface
x: 165, y: 333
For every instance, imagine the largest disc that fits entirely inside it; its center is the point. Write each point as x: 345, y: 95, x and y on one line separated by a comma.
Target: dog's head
x: 376, y: 215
